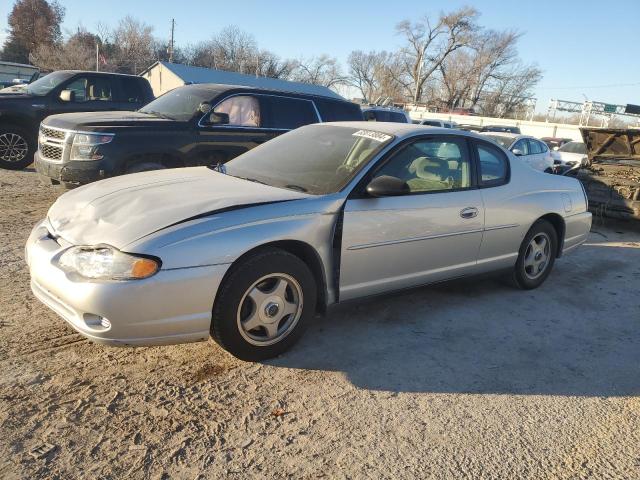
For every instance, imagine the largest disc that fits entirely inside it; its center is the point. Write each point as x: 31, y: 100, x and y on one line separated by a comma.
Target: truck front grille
x: 52, y: 133
x: 52, y: 142
x: 51, y: 152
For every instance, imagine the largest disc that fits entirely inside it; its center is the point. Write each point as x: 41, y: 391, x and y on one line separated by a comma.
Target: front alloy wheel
x: 264, y: 304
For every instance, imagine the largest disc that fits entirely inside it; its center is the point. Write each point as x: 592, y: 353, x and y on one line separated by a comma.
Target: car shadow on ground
x: 576, y: 335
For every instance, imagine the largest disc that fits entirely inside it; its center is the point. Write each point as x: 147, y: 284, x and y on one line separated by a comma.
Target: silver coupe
x: 249, y: 252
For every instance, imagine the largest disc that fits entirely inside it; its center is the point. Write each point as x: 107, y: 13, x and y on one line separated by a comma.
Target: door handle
x: 469, y: 212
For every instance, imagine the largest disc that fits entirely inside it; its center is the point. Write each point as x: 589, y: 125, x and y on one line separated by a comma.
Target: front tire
x: 264, y: 305
x: 536, y: 256
x: 16, y: 148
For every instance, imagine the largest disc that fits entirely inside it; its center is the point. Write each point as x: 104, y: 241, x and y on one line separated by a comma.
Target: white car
x: 572, y: 155
x: 532, y: 151
x: 432, y: 122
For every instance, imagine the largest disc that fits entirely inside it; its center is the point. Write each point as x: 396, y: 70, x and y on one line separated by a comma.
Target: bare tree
x: 374, y: 74
x: 322, y: 70
x: 130, y: 46
x: 77, y: 53
x: 428, y: 45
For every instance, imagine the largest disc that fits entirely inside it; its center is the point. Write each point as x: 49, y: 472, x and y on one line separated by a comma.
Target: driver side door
x: 430, y: 234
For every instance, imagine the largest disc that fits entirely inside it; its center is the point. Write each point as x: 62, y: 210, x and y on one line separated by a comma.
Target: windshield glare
x: 316, y: 159
x: 574, y: 147
x: 44, y: 85
x: 179, y: 104
x: 504, y: 142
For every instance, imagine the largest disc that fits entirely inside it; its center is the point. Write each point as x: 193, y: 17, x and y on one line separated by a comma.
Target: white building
x: 164, y: 76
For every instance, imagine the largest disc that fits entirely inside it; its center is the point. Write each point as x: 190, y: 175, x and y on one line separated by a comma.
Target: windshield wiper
x: 296, y: 187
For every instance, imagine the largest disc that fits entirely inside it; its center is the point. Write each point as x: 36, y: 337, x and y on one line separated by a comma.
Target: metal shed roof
x: 190, y: 74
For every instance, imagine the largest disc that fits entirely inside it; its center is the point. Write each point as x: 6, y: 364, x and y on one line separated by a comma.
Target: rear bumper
x: 173, y: 306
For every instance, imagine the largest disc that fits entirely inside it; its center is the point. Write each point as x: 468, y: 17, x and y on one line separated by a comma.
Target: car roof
x: 401, y: 129
x: 98, y: 73
x: 216, y: 88
x: 506, y: 135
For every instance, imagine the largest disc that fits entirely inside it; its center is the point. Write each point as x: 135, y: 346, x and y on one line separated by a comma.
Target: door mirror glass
x: 517, y: 152
x: 68, y: 96
x: 218, y: 118
x: 387, y: 186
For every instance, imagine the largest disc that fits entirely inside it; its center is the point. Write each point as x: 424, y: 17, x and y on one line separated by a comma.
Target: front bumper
x: 71, y: 173
x: 173, y: 306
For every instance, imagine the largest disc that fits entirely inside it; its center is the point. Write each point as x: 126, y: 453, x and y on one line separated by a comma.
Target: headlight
x: 107, y: 263
x: 85, y: 145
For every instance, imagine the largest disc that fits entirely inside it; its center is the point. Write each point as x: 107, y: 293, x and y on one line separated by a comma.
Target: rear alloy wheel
x: 264, y: 305
x: 536, y: 256
x: 16, y: 151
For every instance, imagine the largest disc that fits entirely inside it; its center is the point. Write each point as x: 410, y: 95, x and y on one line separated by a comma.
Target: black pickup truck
x: 61, y: 92
x: 194, y: 125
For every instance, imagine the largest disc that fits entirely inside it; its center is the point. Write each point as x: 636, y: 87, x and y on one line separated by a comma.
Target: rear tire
x: 264, y: 305
x: 16, y: 148
x: 536, y: 256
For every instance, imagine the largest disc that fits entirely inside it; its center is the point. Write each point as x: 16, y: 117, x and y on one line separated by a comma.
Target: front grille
x: 52, y: 133
x: 51, y: 152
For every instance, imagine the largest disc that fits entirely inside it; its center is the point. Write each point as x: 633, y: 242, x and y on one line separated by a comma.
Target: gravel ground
x: 470, y: 379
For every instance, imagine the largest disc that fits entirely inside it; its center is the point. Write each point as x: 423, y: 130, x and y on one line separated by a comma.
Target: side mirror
x: 68, y: 96
x: 517, y: 152
x: 218, y: 118
x: 387, y: 186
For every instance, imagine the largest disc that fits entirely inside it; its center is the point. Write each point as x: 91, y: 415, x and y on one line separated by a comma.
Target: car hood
x: 568, y: 156
x: 123, y: 209
x: 100, y: 120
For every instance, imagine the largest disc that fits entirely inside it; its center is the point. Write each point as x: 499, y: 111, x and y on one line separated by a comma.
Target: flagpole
x: 97, y: 57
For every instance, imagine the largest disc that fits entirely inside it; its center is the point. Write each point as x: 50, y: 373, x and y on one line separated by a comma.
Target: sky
x: 585, y: 48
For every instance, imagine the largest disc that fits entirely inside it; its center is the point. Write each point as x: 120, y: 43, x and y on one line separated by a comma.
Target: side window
x: 289, y: 113
x: 397, y: 117
x: 431, y: 165
x: 534, y: 147
x: 132, y: 91
x: 243, y: 110
x: 493, y: 165
x: 79, y: 87
x: 334, y: 111
x: 99, y: 89
x: 522, y: 145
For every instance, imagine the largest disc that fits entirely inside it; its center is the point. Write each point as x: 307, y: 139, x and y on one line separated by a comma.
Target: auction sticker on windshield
x: 377, y: 136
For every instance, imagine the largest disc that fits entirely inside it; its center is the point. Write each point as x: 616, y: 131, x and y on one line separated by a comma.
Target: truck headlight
x: 85, y: 145
x: 107, y: 263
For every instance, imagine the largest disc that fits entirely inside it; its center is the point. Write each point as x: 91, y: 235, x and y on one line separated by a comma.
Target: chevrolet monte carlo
x: 249, y: 252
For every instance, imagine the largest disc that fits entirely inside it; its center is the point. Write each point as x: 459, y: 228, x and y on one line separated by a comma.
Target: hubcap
x: 270, y: 309
x: 536, y: 257
x: 13, y: 147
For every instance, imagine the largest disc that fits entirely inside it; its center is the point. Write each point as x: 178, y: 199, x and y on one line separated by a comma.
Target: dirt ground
x: 470, y: 379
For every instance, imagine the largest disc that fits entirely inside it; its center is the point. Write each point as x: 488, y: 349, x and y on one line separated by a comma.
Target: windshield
x: 179, y: 104
x: 44, y: 85
x: 316, y: 159
x: 504, y: 142
x: 574, y: 147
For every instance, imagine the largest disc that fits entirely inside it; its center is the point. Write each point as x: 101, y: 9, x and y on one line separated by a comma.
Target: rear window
x: 338, y: 111
x: 397, y: 117
x: 289, y: 113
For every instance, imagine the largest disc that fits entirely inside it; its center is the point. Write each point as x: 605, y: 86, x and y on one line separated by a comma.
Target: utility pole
x: 173, y: 26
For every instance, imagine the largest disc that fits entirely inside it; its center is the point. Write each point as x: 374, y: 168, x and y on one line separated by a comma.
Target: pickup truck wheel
x: 536, y: 256
x: 16, y: 148
x: 264, y: 305
x: 145, y: 167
